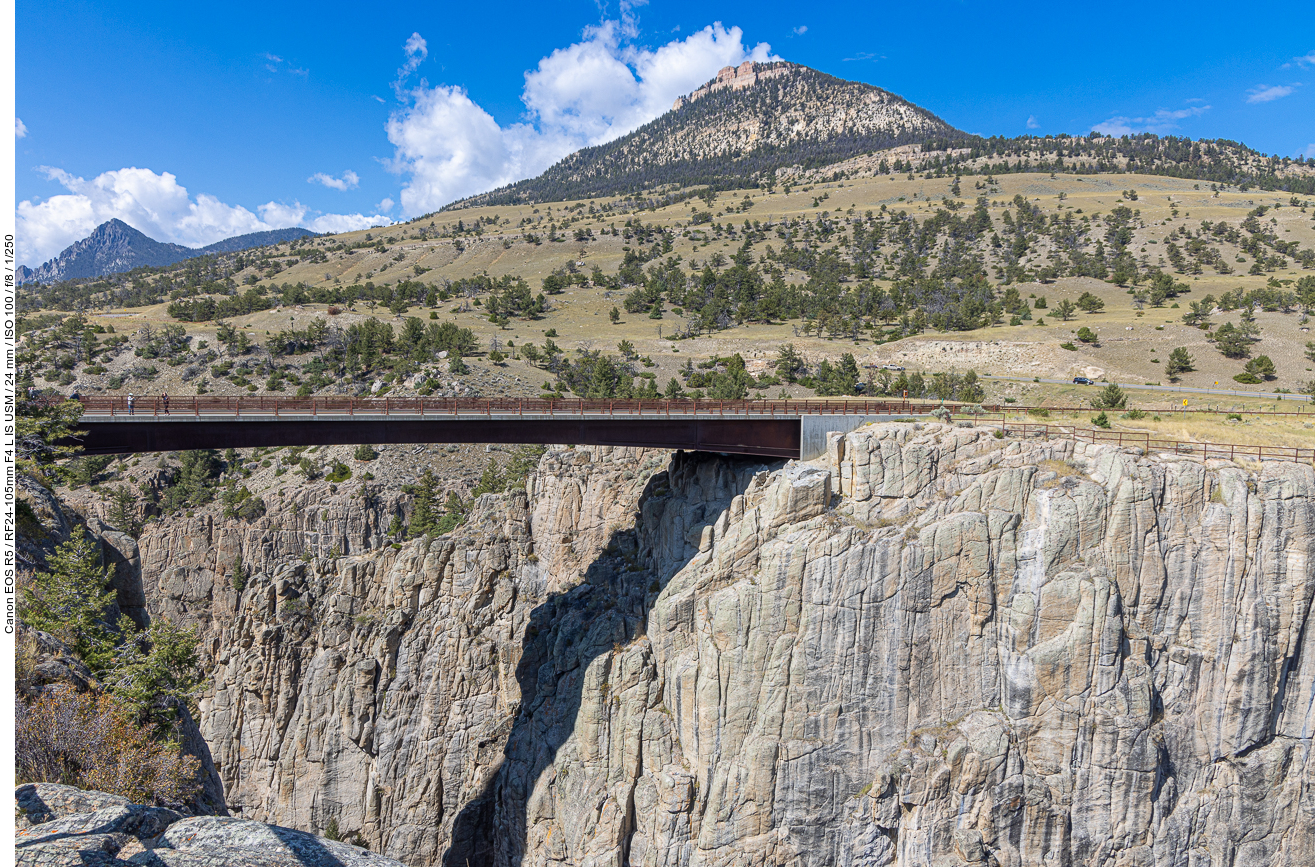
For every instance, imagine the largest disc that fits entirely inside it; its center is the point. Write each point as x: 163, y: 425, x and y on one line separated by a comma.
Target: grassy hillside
x: 891, y: 270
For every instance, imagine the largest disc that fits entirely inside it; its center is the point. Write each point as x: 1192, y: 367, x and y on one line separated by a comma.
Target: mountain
x: 780, y: 121
x: 115, y: 246
x: 735, y: 130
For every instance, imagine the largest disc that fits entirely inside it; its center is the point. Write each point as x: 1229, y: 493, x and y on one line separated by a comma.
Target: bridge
x: 768, y: 428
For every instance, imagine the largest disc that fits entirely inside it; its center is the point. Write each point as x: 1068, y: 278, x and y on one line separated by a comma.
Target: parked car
x: 891, y: 367
x: 1082, y: 380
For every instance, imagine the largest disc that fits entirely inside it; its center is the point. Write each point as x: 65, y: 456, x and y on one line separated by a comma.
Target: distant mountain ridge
x: 735, y: 131
x: 114, y: 246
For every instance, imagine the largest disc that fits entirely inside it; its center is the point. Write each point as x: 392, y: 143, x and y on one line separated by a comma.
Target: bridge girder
x: 779, y: 438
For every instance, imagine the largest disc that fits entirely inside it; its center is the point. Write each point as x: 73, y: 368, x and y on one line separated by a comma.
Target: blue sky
x: 241, y: 116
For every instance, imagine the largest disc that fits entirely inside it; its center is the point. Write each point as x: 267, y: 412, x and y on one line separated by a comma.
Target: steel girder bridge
x: 767, y: 428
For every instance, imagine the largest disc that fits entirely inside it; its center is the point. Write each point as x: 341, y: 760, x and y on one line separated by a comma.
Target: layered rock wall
x: 930, y: 647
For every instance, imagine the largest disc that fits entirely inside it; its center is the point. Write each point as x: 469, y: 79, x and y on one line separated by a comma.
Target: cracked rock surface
x: 929, y: 647
x: 60, y: 826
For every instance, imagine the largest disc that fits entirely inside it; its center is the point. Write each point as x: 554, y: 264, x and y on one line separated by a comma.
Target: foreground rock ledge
x: 930, y: 647
x: 60, y: 826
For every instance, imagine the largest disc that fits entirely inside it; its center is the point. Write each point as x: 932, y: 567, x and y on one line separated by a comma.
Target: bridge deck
x: 770, y: 428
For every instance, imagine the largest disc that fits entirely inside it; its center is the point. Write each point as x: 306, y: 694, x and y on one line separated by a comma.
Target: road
x: 1262, y: 395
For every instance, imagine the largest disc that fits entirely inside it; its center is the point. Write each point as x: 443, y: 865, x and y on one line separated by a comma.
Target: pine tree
x: 1180, y: 361
x: 424, y: 514
x: 72, y: 601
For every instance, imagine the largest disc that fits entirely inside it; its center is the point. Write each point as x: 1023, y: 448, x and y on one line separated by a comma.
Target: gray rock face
x: 928, y: 648
x: 60, y: 826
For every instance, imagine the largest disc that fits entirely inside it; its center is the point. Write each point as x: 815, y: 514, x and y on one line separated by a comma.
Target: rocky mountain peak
x: 738, y: 130
x: 114, y: 246
x: 739, y: 77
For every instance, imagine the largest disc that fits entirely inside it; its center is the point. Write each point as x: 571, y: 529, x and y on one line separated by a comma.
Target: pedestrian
x: 164, y: 399
x: 132, y: 402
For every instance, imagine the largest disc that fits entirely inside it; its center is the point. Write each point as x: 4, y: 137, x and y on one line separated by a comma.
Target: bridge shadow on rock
x: 564, y: 636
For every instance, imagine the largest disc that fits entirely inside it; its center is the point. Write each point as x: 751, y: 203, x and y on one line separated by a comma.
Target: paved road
x: 1172, y: 388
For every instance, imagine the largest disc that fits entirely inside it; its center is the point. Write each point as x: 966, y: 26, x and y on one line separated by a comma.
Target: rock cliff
x: 931, y: 647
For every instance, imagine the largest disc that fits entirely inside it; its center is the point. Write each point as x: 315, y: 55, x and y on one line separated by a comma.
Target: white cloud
x: 1309, y: 152
x: 585, y: 94
x: 1031, y: 122
x: 275, y: 64
x: 1266, y: 93
x: 385, y: 206
x: 801, y: 30
x: 417, y: 49
x: 157, y: 205
x: 348, y: 180
x: 1163, y: 121
x: 20, y: 128
x: 1305, y: 60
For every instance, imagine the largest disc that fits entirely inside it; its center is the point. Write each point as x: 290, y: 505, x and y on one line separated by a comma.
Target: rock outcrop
x: 747, y: 74
x: 931, y: 647
x: 60, y: 826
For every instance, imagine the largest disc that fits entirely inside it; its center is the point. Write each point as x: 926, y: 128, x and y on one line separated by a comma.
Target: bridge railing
x: 268, y: 405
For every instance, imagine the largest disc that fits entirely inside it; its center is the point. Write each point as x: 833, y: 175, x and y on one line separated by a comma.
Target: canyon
x: 931, y: 646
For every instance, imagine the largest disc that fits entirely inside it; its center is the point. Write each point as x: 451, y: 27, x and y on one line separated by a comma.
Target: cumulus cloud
x: 1267, y: 93
x: 348, y: 180
x: 20, y: 129
x: 801, y: 30
x: 1163, y: 121
x: 1031, y: 122
x: 159, y: 206
x: 585, y: 94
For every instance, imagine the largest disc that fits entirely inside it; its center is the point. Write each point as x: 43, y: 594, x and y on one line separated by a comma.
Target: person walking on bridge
x: 164, y: 401
x: 132, y: 403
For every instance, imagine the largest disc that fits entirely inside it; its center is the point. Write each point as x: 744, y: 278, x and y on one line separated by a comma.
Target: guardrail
x: 1149, y: 443
x: 265, y: 405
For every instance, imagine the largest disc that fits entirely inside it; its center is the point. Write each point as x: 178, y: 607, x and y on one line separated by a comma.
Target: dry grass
x: 580, y: 315
x: 1288, y: 431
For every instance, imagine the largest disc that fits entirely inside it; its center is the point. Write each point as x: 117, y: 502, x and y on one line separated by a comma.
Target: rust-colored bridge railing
x: 333, y: 406
x: 1149, y: 443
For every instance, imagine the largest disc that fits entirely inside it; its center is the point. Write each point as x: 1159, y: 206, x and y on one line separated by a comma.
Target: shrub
x: 340, y: 473
x: 1101, y: 420
x: 1069, y: 346
x: 240, y: 503
x: 95, y: 742
x: 365, y: 452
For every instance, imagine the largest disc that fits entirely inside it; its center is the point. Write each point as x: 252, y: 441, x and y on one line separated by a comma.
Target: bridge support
x: 814, y: 429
